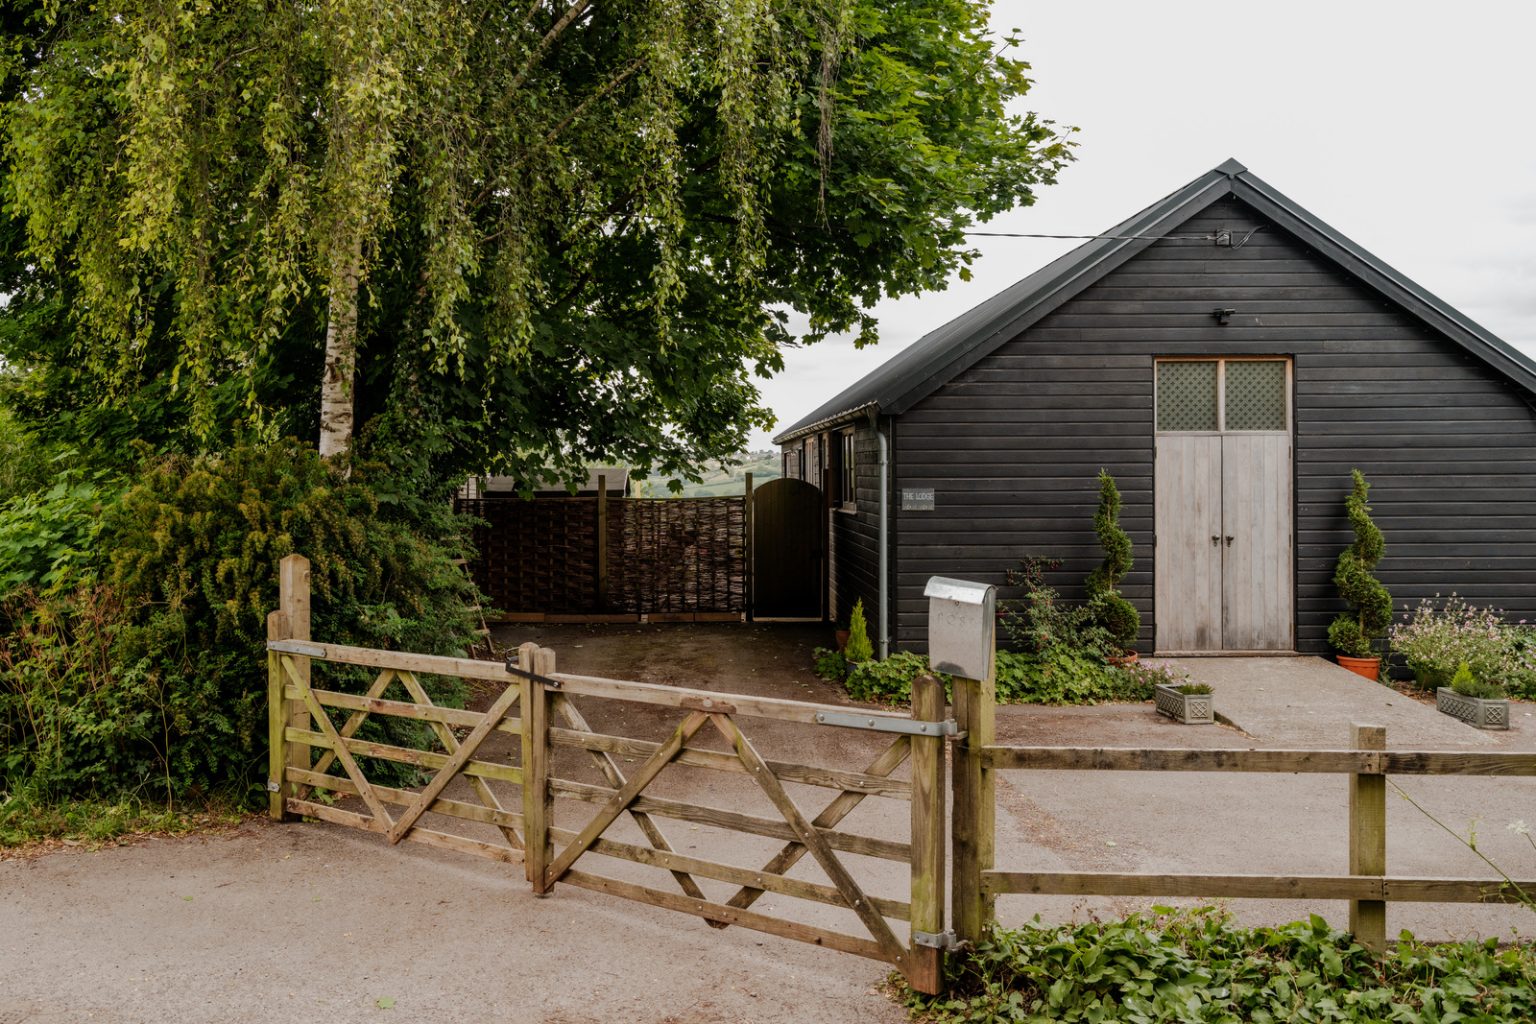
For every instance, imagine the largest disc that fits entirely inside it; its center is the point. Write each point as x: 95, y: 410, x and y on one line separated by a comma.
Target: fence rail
x: 1367, y: 886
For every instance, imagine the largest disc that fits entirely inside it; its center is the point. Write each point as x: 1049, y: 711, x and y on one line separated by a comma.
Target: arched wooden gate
x: 788, y: 551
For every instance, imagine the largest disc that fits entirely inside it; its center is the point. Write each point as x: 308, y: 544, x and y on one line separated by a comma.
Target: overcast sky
x: 1410, y: 127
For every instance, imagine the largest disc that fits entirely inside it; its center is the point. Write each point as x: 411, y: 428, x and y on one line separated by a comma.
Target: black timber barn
x: 1229, y: 358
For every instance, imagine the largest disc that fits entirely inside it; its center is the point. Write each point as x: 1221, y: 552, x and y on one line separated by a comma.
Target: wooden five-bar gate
x: 534, y: 717
x: 498, y: 773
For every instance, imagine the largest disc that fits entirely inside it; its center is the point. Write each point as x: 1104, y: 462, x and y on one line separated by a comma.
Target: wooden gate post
x: 538, y: 807
x: 289, y: 622
x: 924, y: 967
x: 975, y: 813
x: 278, y: 786
x: 1368, y: 840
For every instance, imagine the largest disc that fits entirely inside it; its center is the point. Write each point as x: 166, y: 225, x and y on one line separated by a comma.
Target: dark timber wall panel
x: 1012, y: 445
x: 856, y: 537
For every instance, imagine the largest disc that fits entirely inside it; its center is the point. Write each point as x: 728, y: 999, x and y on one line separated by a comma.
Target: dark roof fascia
x: 1358, y: 262
x: 804, y: 429
x: 1066, y: 282
x: 933, y: 360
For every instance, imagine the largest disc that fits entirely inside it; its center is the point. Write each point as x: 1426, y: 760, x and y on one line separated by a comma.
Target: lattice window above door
x: 1255, y: 395
x: 1186, y: 395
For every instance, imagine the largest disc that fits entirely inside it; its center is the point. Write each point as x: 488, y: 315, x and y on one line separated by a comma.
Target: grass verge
x: 29, y: 827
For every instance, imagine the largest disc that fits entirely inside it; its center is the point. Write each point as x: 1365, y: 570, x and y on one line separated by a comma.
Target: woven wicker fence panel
x: 677, y: 555
x: 538, y: 555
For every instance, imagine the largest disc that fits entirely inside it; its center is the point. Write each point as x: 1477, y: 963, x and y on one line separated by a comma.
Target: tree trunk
x: 338, y: 385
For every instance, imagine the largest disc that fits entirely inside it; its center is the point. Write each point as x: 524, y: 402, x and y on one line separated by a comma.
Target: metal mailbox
x: 962, y: 626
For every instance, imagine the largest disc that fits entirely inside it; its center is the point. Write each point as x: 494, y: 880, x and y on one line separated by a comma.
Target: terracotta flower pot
x: 842, y: 639
x: 1128, y: 658
x: 1370, y: 668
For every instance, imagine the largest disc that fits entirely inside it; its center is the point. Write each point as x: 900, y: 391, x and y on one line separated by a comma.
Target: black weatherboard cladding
x: 856, y: 536
x: 1012, y: 444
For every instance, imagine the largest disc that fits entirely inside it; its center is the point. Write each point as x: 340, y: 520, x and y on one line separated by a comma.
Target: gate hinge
x: 273, y: 787
x: 911, y: 727
x: 944, y: 940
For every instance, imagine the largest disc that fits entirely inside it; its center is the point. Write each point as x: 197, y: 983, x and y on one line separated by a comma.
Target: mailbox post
x: 962, y: 641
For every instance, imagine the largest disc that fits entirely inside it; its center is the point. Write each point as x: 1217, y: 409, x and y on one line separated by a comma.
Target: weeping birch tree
x: 506, y: 235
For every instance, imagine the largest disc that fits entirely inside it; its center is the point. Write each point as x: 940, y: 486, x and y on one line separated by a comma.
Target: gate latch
x: 886, y: 723
x: 944, y: 940
x: 512, y: 667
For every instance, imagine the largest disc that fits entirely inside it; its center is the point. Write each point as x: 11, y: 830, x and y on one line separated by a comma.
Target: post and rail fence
x: 541, y: 750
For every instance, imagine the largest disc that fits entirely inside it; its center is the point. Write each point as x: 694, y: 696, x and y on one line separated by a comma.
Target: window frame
x: 1221, y: 393
x: 847, y: 472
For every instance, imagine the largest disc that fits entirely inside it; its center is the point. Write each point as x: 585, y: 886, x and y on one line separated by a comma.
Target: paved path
x: 1309, y: 702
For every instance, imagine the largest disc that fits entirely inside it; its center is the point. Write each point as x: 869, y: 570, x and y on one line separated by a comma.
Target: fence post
x: 537, y: 805
x: 747, y: 568
x: 293, y: 613
x: 975, y: 812
x: 278, y: 786
x: 602, y: 542
x: 924, y: 967
x: 1368, y: 840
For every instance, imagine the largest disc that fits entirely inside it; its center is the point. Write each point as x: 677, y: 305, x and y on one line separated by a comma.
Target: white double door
x: 1224, y: 576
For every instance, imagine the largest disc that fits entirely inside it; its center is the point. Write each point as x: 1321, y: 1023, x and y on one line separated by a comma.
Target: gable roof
x: 941, y: 355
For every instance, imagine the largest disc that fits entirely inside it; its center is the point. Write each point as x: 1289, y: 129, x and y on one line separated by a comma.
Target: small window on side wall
x: 849, y: 479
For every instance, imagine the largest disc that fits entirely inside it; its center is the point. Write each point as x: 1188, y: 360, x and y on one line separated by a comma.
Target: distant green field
x: 763, y: 466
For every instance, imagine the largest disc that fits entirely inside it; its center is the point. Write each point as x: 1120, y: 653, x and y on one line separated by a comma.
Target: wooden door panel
x: 1187, y: 565
x: 1257, y: 575
x: 788, y: 573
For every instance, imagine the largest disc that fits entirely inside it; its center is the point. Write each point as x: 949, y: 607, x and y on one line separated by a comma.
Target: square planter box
x: 1189, y: 708
x: 1475, y: 711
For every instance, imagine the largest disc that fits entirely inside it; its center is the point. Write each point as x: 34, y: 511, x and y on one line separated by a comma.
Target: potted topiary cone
x: 1354, y: 632
x: 1111, y: 611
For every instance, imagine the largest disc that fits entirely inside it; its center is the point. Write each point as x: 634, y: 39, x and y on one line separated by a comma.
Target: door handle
x: 1215, y: 541
x: 1229, y: 540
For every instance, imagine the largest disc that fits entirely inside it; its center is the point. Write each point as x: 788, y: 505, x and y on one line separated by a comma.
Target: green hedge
x: 143, y: 670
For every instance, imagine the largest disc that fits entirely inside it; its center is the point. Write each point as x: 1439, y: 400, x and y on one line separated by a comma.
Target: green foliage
x: 888, y: 681
x: 1058, y: 677
x: 1468, y: 684
x: 1354, y: 633
x: 1061, y: 675
x: 1195, y: 965
x: 1192, y: 689
x: 48, y: 539
x: 1438, y: 637
x: 1040, y: 621
x: 574, y: 239
x: 858, y: 648
x: 27, y: 464
x: 155, y: 676
x: 1108, y: 608
x: 829, y: 664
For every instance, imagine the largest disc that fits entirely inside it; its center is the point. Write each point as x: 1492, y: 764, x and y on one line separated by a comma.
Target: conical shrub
x: 1110, y: 609
x: 1354, y: 632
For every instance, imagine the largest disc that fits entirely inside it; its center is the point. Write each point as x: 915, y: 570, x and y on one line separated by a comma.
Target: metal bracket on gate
x: 944, y: 940
x: 549, y: 683
x: 853, y: 720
